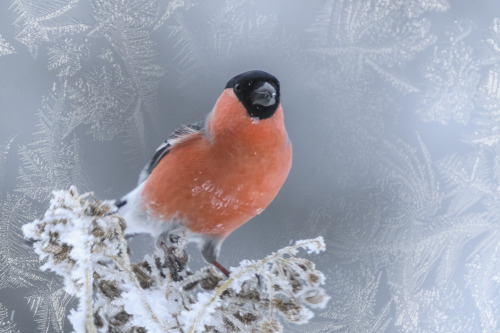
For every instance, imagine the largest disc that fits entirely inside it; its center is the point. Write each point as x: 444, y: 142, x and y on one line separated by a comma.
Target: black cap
x: 258, y: 91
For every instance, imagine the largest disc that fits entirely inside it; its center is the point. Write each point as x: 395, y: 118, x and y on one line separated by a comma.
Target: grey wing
x: 178, y: 136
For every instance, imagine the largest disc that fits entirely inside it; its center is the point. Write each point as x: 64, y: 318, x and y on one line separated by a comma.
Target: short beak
x: 265, y: 95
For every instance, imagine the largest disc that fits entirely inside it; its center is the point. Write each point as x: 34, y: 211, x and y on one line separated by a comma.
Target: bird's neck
x: 230, y: 128
x: 251, y: 135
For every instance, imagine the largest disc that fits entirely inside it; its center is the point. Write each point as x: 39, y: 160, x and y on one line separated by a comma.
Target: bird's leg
x: 209, y: 251
x: 221, y: 268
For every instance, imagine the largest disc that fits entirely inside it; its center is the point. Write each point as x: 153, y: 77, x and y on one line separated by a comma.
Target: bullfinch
x: 212, y: 176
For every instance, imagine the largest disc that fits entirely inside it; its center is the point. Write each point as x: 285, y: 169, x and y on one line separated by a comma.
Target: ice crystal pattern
x: 53, y: 158
x: 205, y: 47
x: 18, y: 268
x: 486, y: 129
x: 39, y: 24
x: 452, y: 74
x: 6, y: 324
x: 48, y: 303
x: 131, y: 65
x: 363, y: 38
x: 411, y: 220
x: 5, y: 48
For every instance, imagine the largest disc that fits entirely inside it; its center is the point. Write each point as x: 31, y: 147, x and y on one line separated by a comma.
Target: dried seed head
x: 210, y: 282
x: 245, y: 318
x: 98, y: 322
x: 63, y: 253
x: 269, y: 326
x: 313, y: 278
x: 142, y: 275
x: 120, y: 318
x: 190, y: 286
x: 109, y: 289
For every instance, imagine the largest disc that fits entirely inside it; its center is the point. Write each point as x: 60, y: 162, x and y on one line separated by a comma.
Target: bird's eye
x: 237, y: 87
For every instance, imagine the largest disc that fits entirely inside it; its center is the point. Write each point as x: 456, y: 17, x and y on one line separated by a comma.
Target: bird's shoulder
x: 179, y: 135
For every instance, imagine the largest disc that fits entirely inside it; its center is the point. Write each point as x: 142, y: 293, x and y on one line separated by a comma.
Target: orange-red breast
x: 211, y: 177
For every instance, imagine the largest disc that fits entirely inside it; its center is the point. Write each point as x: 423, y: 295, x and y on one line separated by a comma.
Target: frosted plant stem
x: 252, y: 267
x: 125, y: 265
x: 216, y: 294
x: 89, y: 317
x: 88, y: 289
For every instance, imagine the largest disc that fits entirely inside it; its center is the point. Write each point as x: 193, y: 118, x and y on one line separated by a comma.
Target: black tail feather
x: 120, y: 203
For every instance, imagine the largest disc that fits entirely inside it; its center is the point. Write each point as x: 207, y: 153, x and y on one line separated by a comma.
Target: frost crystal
x: 66, y: 57
x: 206, y: 46
x: 487, y: 131
x: 37, y: 24
x: 17, y: 262
x: 451, y: 76
x: 48, y: 304
x: 487, y: 121
x: 362, y: 37
x: 81, y: 240
x: 5, y: 48
x: 53, y: 158
x: 6, y: 325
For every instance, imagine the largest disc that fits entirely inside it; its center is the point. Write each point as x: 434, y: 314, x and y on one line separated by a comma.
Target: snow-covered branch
x: 81, y: 240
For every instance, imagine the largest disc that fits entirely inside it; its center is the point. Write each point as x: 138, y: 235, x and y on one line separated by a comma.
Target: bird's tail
x: 120, y: 203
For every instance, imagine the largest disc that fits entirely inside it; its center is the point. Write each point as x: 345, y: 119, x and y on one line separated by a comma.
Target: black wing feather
x: 164, y: 149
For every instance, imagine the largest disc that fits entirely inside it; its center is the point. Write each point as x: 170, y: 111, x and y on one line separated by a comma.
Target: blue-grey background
x: 393, y: 108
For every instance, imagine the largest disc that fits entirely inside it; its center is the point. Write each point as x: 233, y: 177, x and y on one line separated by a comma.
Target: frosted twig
x: 81, y: 240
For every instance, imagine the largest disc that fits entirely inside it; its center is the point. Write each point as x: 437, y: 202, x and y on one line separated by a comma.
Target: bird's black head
x: 258, y: 91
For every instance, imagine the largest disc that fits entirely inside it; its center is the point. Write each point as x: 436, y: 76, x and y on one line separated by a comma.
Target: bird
x: 212, y: 176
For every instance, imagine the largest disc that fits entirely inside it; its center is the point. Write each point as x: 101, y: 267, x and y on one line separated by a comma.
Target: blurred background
x: 393, y: 108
